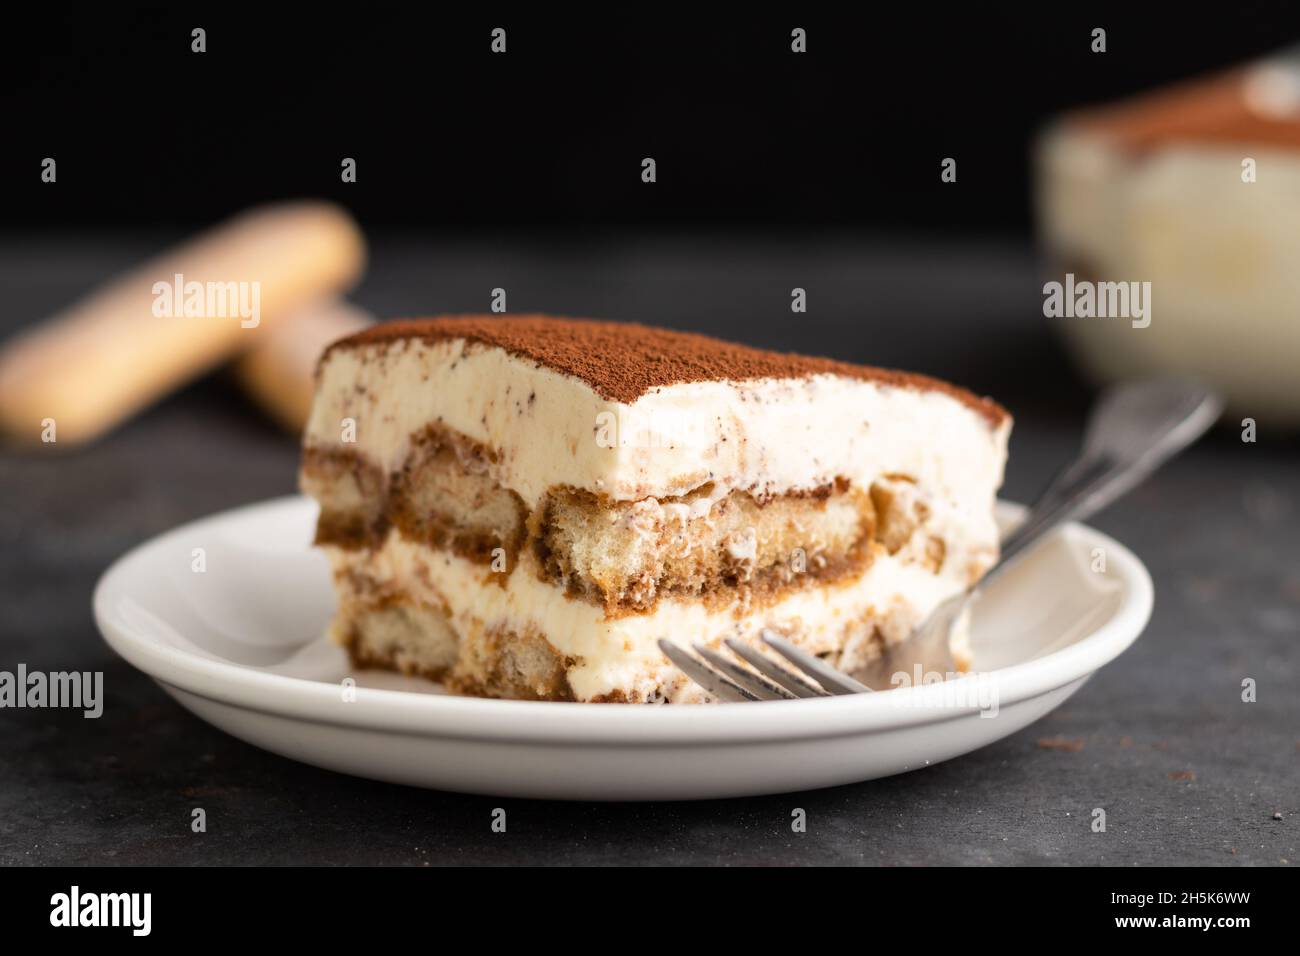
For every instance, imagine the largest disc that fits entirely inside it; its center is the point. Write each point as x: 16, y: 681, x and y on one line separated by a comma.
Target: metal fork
x: 1132, y: 430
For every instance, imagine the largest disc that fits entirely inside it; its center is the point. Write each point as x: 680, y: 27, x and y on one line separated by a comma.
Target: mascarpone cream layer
x: 769, y: 436
x: 621, y: 653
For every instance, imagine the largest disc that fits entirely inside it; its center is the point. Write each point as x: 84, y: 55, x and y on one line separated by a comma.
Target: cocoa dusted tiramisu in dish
x: 522, y: 507
x: 1190, y: 192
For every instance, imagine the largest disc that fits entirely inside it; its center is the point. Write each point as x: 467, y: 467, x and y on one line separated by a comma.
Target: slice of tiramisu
x: 521, y: 507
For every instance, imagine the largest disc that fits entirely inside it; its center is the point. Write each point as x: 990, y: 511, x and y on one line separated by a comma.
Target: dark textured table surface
x: 1187, y: 772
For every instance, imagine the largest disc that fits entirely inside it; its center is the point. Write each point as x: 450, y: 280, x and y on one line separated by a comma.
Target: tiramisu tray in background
x: 1193, y: 193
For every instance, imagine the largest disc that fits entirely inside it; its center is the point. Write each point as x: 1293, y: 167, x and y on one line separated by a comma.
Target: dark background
x: 523, y: 171
x: 449, y: 136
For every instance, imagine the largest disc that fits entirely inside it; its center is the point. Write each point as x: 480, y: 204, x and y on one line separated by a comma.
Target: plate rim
x: 473, y: 718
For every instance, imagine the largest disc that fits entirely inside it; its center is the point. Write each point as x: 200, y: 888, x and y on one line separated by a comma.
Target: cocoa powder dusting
x: 1211, y: 109
x: 621, y: 361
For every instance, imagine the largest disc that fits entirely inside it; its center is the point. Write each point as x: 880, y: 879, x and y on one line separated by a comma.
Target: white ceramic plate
x: 240, y: 645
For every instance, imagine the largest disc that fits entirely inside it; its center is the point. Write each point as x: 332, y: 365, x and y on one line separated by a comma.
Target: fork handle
x: 1083, y: 488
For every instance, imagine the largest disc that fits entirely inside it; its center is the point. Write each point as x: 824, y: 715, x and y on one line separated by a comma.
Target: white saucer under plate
x: 239, y: 644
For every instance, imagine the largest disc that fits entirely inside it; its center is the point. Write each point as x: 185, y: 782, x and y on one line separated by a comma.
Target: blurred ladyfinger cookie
x: 279, y: 371
x: 167, y: 321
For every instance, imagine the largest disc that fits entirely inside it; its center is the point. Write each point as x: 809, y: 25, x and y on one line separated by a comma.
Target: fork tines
x: 764, y: 678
